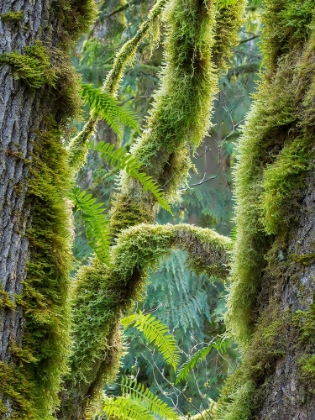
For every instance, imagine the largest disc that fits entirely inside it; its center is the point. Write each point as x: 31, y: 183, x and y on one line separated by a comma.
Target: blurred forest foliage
x: 191, y: 306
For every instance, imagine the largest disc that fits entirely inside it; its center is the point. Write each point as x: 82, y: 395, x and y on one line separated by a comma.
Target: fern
x: 199, y: 356
x: 107, y: 108
x: 147, y: 399
x: 126, y: 409
x: 132, y: 167
x: 156, y: 333
x: 95, y: 223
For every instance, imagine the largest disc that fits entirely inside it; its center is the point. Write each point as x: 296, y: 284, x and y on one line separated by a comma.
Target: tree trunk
x: 39, y: 94
x: 270, y: 306
x: 286, y: 392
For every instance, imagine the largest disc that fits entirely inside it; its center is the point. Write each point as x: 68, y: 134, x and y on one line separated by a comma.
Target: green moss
x: 12, y: 17
x: 242, y: 389
x: 282, y: 184
x: 33, y: 67
x: 229, y: 19
x: 286, y: 26
x: 274, y: 158
x: 305, y: 259
x: 74, y: 19
x: 305, y: 322
x: 40, y: 362
x: 128, y: 212
x: 6, y: 300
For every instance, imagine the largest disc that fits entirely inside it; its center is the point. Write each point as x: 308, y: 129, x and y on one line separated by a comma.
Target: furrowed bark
x: 38, y: 96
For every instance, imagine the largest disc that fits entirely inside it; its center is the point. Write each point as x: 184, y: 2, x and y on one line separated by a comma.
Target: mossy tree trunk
x: 271, y: 303
x: 38, y: 96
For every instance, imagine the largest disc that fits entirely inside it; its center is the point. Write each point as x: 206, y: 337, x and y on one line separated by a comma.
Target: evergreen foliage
x: 107, y: 108
x: 130, y: 165
x: 196, y: 358
x: 156, y: 333
x: 148, y: 400
x: 95, y: 221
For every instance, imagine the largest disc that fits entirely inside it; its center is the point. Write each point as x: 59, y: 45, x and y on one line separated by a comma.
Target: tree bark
x: 286, y: 393
x: 38, y: 96
x: 270, y: 306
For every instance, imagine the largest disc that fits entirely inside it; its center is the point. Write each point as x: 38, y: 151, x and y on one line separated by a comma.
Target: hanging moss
x: 104, y: 293
x: 78, y: 145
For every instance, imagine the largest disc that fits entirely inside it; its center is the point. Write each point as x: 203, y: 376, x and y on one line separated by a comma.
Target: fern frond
x: 95, y: 222
x: 198, y: 357
x: 157, y: 333
x: 131, y: 166
x: 147, y: 399
x: 125, y: 408
x: 107, y: 108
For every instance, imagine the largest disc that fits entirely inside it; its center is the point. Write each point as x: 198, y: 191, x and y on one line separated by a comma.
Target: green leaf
x: 156, y: 333
x: 131, y: 166
x: 126, y: 409
x: 95, y: 222
x: 107, y: 108
x: 199, y: 356
x: 147, y: 399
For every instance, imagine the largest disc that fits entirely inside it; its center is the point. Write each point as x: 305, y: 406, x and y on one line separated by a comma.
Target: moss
x: 40, y: 362
x: 228, y: 21
x: 74, y: 19
x: 304, y: 259
x: 242, y: 389
x: 78, y: 145
x: 282, y: 184
x: 6, y: 300
x: 33, y: 67
x: 275, y: 156
x: 12, y: 17
x: 126, y: 213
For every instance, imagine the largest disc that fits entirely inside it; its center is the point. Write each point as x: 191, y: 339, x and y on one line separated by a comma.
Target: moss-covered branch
x: 178, y: 121
x: 104, y: 293
x: 78, y: 145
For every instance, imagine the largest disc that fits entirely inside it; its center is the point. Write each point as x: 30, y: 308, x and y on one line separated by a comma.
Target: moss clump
x: 6, y: 300
x: 74, y: 18
x: 305, y: 322
x: 33, y: 67
x: 12, y: 17
x: 126, y: 213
